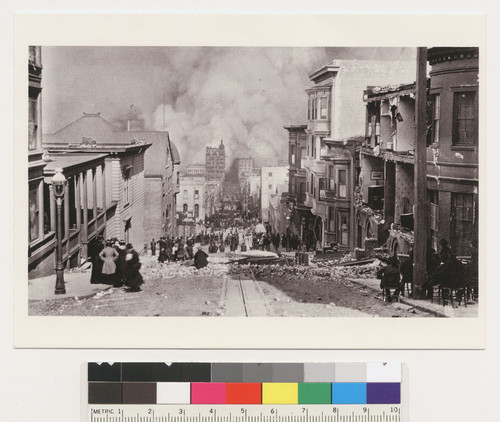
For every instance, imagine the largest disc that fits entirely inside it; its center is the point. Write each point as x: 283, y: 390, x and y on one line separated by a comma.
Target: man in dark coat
x: 131, y: 275
x: 120, y: 262
x: 389, y: 275
x: 153, y: 247
x: 200, y: 258
x: 406, y: 270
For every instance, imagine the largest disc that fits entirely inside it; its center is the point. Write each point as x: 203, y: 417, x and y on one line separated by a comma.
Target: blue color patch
x: 349, y: 393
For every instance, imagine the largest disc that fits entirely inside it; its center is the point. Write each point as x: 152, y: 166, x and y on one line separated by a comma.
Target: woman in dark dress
x: 200, y: 258
x: 95, y: 248
x: 131, y: 275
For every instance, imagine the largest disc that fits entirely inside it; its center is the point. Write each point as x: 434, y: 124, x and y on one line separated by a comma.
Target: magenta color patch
x: 208, y: 393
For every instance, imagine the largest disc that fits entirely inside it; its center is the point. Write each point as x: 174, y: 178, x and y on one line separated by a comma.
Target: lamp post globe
x: 59, y: 185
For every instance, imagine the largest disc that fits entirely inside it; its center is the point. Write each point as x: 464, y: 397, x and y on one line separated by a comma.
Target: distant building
x: 296, y: 194
x: 161, y: 169
x: 215, y: 162
x: 270, y: 179
x: 244, y: 166
x: 191, y: 205
x: 196, y: 170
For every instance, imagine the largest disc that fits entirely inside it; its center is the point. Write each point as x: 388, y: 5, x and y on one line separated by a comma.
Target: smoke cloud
x: 242, y: 95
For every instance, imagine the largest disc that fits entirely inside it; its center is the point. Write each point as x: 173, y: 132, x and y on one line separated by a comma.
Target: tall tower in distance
x: 216, y: 162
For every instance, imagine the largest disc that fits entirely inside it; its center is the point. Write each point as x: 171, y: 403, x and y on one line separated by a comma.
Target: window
x: 34, y: 55
x: 323, y: 113
x: 270, y: 175
x: 32, y: 124
x: 309, y: 109
x: 185, y: 194
x: 34, y: 210
x: 433, y: 196
x: 331, y: 219
x: 331, y: 179
x: 436, y: 115
x: 464, y: 118
x: 322, y: 186
x: 313, y: 147
x: 463, y: 220
x: 342, y: 184
x: 196, y: 194
x: 127, y: 195
x: 184, y: 207
x: 343, y: 235
x: 270, y: 187
x: 196, y: 210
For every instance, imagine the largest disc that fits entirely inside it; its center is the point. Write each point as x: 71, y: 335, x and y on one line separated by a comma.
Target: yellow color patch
x: 280, y: 393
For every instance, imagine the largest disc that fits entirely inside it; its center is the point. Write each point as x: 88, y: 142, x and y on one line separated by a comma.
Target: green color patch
x: 315, y: 393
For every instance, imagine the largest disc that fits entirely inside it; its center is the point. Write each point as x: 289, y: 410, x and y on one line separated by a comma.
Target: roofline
x: 101, y: 157
x: 324, y: 72
x: 103, y: 148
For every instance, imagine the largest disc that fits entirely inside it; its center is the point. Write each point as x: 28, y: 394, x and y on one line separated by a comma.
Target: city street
x: 230, y: 290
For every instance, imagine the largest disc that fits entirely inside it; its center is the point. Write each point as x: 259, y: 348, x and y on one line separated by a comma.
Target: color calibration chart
x: 244, y: 392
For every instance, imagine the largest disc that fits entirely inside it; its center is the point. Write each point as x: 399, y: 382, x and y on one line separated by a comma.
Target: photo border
x: 284, y: 30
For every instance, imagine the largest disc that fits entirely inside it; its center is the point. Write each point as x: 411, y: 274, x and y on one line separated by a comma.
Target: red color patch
x: 244, y: 393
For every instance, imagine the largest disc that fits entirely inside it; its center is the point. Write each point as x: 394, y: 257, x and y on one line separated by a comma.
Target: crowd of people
x: 116, y: 263
x: 444, y: 269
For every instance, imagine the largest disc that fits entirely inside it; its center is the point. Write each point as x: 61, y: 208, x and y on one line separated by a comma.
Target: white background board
x: 42, y: 385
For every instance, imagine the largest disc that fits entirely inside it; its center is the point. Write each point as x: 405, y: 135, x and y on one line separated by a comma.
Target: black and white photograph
x: 253, y: 181
x: 248, y: 183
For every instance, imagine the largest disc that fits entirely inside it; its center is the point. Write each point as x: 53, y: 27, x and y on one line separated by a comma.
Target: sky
x: 201, y: 95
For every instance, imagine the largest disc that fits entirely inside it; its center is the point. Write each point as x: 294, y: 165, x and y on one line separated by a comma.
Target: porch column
x: 41, y: 213
x: 66, y: 220
x: 94, y: 194
x: 103, y: 187
x: 78, y: 204
x: 85, y: 226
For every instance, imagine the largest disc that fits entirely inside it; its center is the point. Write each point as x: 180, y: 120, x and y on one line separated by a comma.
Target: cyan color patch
x: 349, y: 393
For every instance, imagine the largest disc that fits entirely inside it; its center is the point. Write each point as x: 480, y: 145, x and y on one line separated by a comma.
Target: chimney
x: 128, y: 125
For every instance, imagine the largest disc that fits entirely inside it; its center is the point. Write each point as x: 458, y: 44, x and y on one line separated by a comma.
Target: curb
x: 403, y: 300
x: 62, y: 297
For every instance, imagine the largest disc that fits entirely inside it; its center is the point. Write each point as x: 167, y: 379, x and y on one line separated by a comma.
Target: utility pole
x: 421, y: 226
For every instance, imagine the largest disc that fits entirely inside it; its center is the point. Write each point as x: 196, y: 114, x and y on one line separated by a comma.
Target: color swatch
x: 244, y: 383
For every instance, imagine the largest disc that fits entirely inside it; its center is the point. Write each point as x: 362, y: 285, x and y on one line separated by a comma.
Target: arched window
x: 196, y: 210
x: 185, y: 208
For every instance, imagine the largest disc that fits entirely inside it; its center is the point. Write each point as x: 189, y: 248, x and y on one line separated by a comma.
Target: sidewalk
x: 77, y: 285
x: 471, y: 311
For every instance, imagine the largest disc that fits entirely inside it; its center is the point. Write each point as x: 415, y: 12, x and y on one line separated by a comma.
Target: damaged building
x: 385, y: 191
x: 334, y: 133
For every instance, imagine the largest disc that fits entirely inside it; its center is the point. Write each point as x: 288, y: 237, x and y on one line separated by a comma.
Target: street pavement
x: 225, y: 295
x: 77, y: 285
x: 426, y: 305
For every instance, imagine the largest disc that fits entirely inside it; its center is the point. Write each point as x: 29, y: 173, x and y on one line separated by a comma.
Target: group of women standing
x: 115, y: 263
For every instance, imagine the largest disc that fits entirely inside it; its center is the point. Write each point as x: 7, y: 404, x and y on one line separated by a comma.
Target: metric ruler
x: 252, y: 413
x: 244, y: 392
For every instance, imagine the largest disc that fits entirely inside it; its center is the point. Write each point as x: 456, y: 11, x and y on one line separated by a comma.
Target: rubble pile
x: 151, y: 270
x: 357, y: 271
x: 314, y: 272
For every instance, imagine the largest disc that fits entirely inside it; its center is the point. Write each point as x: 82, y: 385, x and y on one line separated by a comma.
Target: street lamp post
x: 59, y: 184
